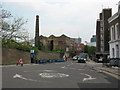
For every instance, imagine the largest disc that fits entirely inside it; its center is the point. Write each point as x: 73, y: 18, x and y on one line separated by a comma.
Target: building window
x: 117, y: 31
x: 101, y: 48
x: 101, y: 29
x: 113, y: 53
x: 101, y: 36
x: 112, y: 33
x: 117, y: 51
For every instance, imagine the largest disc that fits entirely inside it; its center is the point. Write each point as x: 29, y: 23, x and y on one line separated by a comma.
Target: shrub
x: 19, y: 46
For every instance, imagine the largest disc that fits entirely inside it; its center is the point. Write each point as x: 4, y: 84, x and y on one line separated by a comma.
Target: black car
x: 81, y: 60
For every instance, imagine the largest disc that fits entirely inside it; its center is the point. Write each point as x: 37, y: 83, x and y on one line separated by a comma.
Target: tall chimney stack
x: 37, y: 32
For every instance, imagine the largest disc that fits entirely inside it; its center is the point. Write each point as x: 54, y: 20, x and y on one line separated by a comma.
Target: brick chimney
x: 37, y: 31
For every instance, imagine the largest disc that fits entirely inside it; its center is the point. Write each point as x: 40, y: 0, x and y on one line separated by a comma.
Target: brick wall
x: 11, y: 56
x: 46, y: 56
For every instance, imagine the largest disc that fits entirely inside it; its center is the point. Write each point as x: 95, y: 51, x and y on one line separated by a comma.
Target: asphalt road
x: 56, y: 75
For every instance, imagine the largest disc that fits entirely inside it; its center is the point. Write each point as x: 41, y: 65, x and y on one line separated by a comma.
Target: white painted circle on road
x: 53, y: 75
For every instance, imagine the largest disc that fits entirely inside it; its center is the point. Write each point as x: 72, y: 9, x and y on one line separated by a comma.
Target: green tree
x: 90, y: 50
x: 85, y: 49
x: 12, y: 28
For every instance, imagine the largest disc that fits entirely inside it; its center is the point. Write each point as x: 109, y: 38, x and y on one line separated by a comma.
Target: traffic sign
x: 20, y: 61
x: 31, y: 51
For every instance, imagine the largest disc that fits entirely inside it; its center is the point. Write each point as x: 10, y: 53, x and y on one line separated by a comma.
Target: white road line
x: 49, y: 70
x: 63, y: 67
x: 21, y: 77
x: 89, y: 77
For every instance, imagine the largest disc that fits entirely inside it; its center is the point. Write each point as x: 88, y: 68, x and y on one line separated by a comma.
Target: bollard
x: 53, y: 60
x: 40, y: 61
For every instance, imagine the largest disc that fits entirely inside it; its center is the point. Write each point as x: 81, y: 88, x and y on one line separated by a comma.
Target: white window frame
x: 112, y: 32
x: 117, y: 31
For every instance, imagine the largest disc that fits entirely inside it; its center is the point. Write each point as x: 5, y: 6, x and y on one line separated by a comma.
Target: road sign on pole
x: 31, y: 51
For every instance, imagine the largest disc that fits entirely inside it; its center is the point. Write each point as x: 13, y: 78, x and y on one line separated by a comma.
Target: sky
x: 74, y: 18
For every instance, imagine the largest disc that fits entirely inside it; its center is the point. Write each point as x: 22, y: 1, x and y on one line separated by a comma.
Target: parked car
x: 75, y: 58
x: 100, y: 59
x: 81, y: 60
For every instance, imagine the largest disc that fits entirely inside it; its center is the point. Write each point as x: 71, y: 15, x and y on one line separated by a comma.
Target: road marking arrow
x: 89, y: 77
x: 19, y: 76
x: 63, y: 67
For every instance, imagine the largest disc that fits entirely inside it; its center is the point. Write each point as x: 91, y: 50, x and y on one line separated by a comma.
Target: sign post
x: 32, y: 56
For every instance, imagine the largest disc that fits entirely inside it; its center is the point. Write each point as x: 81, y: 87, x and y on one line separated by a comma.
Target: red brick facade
x: 79, y: 47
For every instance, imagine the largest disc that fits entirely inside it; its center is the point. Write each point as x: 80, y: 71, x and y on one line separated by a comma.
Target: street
x: 56, y: 75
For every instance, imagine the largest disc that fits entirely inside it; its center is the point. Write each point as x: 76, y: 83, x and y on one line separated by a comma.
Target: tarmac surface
x: 58, y: 75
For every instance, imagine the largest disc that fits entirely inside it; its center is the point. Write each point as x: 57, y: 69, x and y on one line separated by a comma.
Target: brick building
x: 52, y: 42
x: 102, y: 34
x: 79, y: 48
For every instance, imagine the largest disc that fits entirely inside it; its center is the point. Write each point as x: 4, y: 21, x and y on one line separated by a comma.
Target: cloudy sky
x: 74, y: 18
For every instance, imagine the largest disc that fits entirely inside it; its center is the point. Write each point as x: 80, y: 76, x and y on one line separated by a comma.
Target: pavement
x: 99, y: 66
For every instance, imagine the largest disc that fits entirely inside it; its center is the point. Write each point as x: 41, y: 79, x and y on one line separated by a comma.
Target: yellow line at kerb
x: 114, y: 75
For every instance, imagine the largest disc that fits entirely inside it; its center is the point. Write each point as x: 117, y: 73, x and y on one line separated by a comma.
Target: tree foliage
x: 90, y: 50
x: 12, y: 28
x: 20, y: 46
